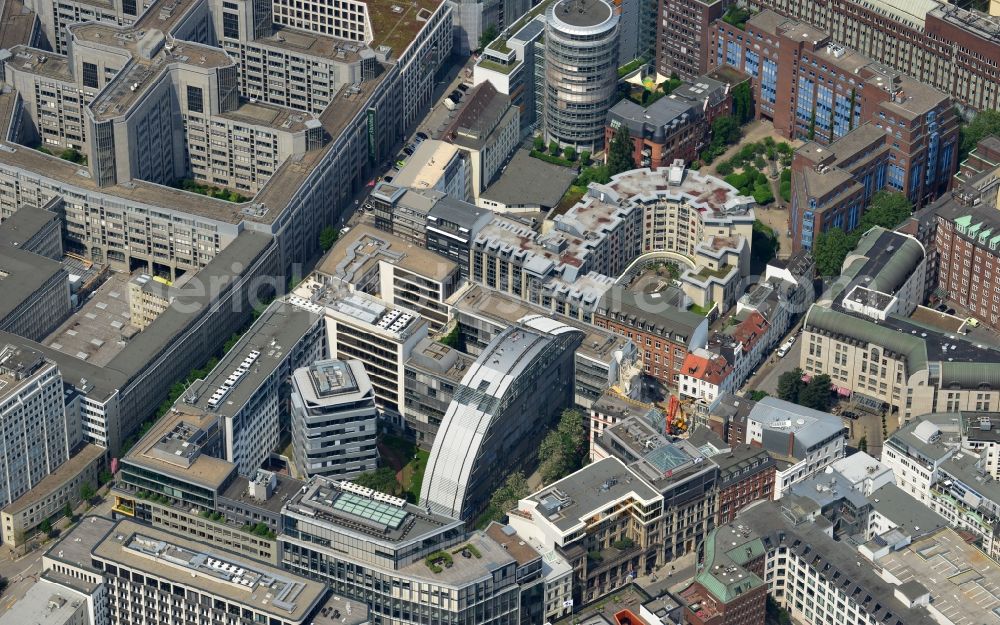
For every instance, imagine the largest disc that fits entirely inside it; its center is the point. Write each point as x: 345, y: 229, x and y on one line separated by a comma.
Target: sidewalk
x: 674, y: 576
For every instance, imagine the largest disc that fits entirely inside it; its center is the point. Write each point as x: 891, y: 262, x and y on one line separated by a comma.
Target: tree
x: 104, y: 477
x: 757, y: 395
x: 554, y: 148
x: 726, y: 129
x: 724, y: 168
x: 327, y: 237
x: 563, y: 449
x: 790, y: 384
x: 539, y: 144
x: 569, y: 153
x: 86, y: 492
x: 830, y: 250
x: 45, y: 526
x: 488, y: 35
x: 816, y: 394
x: 762, y: 194
x: 382, y: 479
x: 742, y: 102
x: 585, y: 158
x: 620, y: 153
x: 887, y: 209
x: 863, y: 444
x: 68, y: 511
x: 763, y: 243
x: 506, y: 497
x: 984, y: 124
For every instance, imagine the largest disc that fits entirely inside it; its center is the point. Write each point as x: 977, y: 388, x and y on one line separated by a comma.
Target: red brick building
x: 664, y: 334
x: 967, y: 238
x: 746, y: 475
x: 668, y: 129
x: 729, y: 588
x: 682, y: 28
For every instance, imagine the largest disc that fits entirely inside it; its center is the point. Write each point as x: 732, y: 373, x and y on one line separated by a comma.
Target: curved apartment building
x: 581, y: 54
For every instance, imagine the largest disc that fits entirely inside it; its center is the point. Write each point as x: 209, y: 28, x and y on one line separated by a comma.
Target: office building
x: 200, y: 583
x: 966, y: 248
x: 433, y: 373
x: 248, y: 389
x: 682, y: 474
x: 581, y: 59
x: 488, y: 129
x: 438, y: 166
x: 606, y: 522
x: 176, y: 479
x: 36, y: 293
x: 34, y: 229
x: 334, y: 420
x: 364, y: 328
x: 514, y: 63
x: 600, y: 361
x: 669, y: 129
x: 37, y: 437
x: 450, y: 229
x: 945, y: 45
x: 49, y: 497
x: 663, y: 332
x: 98, y: 86
x: 683, y: 35
x: 833, y: 90
x: 506, y: 401
x: 392, y: 269
x: 50, y: 603
x: 900, y: 362
x: 409, y: 565
x: 805, y: 441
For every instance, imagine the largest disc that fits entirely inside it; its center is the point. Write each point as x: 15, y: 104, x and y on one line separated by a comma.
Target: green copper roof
x: 722, y: 573
x: 964, y: 221
x: 910, y: 347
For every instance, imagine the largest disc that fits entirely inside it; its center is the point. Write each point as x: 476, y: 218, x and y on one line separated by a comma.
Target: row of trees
x: 564, y: 449
x: 887, y: 209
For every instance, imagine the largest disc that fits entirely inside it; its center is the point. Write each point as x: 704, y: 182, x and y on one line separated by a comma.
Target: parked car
x: 941, y: 307
x: 422, y: 136
x: 972, y: 321
x: 455, y: 95
x: 463, y: 87
x: 408, y: 150
x: 400, y: 164
x: 387, y: 179
x: 787, y: 345
x: 951, y: 311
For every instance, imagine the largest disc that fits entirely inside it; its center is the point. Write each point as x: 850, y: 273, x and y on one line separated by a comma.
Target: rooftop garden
x: 471, y: 549
x: 439, y: 561
x: 496, y: 67
x: 702, y: 310
x: 214, y: 192
x: 737, y: 16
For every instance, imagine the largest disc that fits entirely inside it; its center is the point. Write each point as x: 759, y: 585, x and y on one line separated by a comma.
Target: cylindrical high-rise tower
x: 581, y: 57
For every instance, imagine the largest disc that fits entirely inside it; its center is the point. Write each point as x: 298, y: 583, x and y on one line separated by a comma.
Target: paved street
x: 675, y: 576
x: 22, y: 570
x: 766, y: 377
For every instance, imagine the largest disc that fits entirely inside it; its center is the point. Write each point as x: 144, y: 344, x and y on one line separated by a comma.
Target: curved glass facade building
x: 581, y: 57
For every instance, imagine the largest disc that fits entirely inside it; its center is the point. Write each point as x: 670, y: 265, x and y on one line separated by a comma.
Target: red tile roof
x: 712, y: 370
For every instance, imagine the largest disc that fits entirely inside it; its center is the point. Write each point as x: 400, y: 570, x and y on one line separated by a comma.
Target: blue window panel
x: 895, y: 177
x: 804, y: 101
x: 946, y: 155
x: 719, y: 47
x: 915, y: 170
x: 733, y: 54
x: 752, y: 63
x: 769, y: 81
x: 853, y: 217
x: 880, y: 177
x: 842, y: 116
x: 824, y: 107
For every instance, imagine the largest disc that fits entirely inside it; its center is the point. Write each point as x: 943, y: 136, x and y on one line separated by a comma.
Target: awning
x: 843, y: 392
